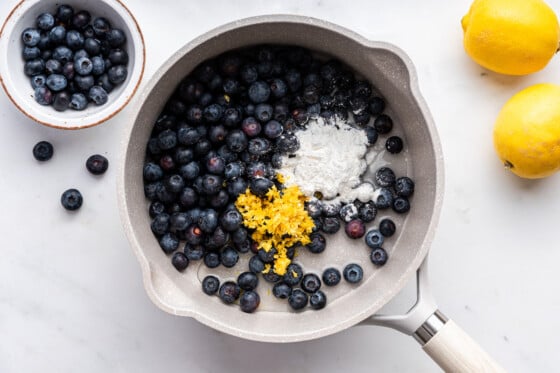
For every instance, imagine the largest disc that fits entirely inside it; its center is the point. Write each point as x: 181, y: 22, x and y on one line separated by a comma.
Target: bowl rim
x: 108, y: 116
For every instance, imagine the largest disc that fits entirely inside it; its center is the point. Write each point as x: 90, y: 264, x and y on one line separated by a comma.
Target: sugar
x: 331, y: 159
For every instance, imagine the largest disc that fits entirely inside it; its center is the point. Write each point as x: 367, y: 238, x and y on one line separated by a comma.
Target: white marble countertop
x: 71, y: 294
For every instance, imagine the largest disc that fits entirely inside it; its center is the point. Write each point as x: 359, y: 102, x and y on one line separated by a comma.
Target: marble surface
x: 71, y: 295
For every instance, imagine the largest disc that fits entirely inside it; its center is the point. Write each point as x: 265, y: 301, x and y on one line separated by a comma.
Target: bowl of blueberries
x: 71, y: 65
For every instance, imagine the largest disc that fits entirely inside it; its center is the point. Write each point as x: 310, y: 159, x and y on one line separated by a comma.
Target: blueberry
x: 229, y: 292
x: 271, y: 277
x: 233, y: 170
x: 281, y: 290
x: 53, y: 66
x: 117, y: 74
x: 372, y: 135
x: 298, y: 299
x: 116, y: 37
x: 68, y: 70
x: 212, y: 259
x: 249, y: 301
x: 211, y: 184
x: 248, y: 281
x: 267, y: 256
x: 230, y: 86
x: 43, y: 95
x: 293, y: 80
x: 273, y: 129
x: 404, y: 186
x: 45, y: 21
x: 160, y: 224
x: 348, y: 212
x: 385, y: 177
x: 56, y: 82
x: 97, y: 65
x: 210, y: 285
x: 293, y: 275
x: 43, y: 151
x: 63, y: 54
x: 331, y: 209
x: 355, y: 228
x: 376, y: 105
x: 97, y: 164
x: 101, y: 26
x: 64, y: 13
x: 98, y: 95
x: 230, y: 65
x: 387, y: 227
x: 187, y: 135
x: 34, y: 67
x: 374, y: 238
x: 239, y: 235
x: 259, y: 92
x: 188, y: 197
x: 259, y: 146
x: 78, y: 101
x: 379, y: 256
x: 331, y: 276
x: 310, y: 283
x: 179, y: 261
x: 44, y: 42
x: 236, y: 187
x: 394, y: 144
x: 174, y: 183
x: 213, y: 113
x: 231, y: 117
x: 31, y: 36
x: 311, y: 94
x: 92, y: 47
x: 81, y: 19
x: 152, y: 172
x: 74, y: 40
x: 208, y: 220
x: 156, y: 208
x: 249, y: 73
x: 83, y: 66
x: 317, y: 244
x: 287, y: 143
x: 183, y: 155
x: 84, y: 83
x: 237, y: 141
x: 31, y: 53
x: 231, y: 220
x: 215, y: 165
x: 313, y: 208
x: 330, y: 225
x: 167, y: 139
x: 104, y: 82
x: 194, y: 252
x: 229, y: 257
x: 260, y: 186
x: 317, y: 300
x: 401, y: 205
x: 71, y: 199
x: 383, y: 124
x: 193, y: 234
x: 353, y: 273
x: 362, y: 88
x: 256, y: 265
x: 264, y: 112
x: 251, y: 127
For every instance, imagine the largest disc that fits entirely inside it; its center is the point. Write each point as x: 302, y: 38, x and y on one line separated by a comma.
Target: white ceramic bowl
x: 18, y: 86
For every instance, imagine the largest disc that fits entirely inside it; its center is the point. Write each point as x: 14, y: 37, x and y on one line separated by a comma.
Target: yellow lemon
x: 527, y: 132
x: 514, y: 37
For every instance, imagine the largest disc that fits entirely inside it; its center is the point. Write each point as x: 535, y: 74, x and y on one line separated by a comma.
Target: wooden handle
x: 454, y: 351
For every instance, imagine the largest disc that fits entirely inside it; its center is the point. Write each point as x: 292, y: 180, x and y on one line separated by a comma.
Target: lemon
x: 527, y: 132
x: 514, y: 37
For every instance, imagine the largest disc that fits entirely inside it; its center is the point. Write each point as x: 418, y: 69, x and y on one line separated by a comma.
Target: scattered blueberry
x: 248, y: 281
x: 353, y: 273
x: 210, y: 285
x: 331, y: 276
x: 78, y: 101
x: 387, y: 227
x: 394, y: 144
x: 367, y: 212
x: 212, y: 259
x: 179, y: 261
x: 379, y: 256
x: 281, y: 290
x: 385, y: 177
x: 310, y: 282
x: 317, y: 244
x: 293, y: 275
x: 229, y: 292
x: 318, y: 300
x: 383, y: 199
x: 249, y: 301
x: 169, y: 242
x: 97, y: 164
x: 298, y: 299
x: 229, y: 257
x: 404, y: 186
x: 401, y: 205
x: 98, y: 95
x: 71, y: 199
x: 374, y: 238
x: 43, y: 151
x: 383, y: 124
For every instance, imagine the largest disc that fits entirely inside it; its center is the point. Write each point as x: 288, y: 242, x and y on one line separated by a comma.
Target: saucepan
x: 393, y: 74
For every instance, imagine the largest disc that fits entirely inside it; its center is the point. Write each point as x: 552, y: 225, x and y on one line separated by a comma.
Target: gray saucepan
x: 392, y: 73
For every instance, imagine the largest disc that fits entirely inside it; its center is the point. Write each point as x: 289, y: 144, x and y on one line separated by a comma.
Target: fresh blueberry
x: 160, y: 224
x: 187, y: 135
x: 229, y: 292
x: 84, y: 83
x: 374, y: 238
x: 63, y: 54
x: 287, y: 143
x: 278, y: 88
x: 237, y: 186
x: 152, y: 172
x: 401, y: 205
x: 78, y: 101
x: 213, y: 113
x: 194, y: 252
x: 98, y: 95
x: 310, y: 283
x: 387, y: 227
x: 212, y: 259
x: 211, y: 184
x: 267, y: 256
x: 92, y: 47
x: 116, y: 37
x: 97, y: 164
x: 256, y: 265
x: 231, y: 220
x: 61, y: 101
x: 249, y: 73
x: 239, y: 235
x: 210, y: 285
x: 56, y: 82
x: 43, y: 151
x: 264, y: 112
x: 372, y: 135
x: 313, y: 207
x: 193, y: 234
x: 101, y: 26
x: 298, y: 299
x: 384, y: 198
x: 64, y: 13
x: 367, y: 212
x: 248, y: 281
x: 31, y: 53
x: 379, y: 256
x: 317, y: 300
x: 34, y: 67
x: 383, y: 124
x: 179, y: 261
x: 215, y: 165
x: 68, y: 70
x: 348, y: 212
x: 71, y: 199
x: 293, y: 80
x: 83, y: 66
x: 317, y: 244
x: 178, y: 221
x: 353, y: 273
x: 31, y: 36
x: 97, y: 65
x: 104, y: 82
x: 331, y: 276
x: 156, y: 208
x: 249, y: 301
x: 208, y: 220
x: 81, y: 19
x: 43, y: 95
x: 281, y: 290
x: 236, y: 140
x: 293, y: 275
x: 188, y: 197
x: 404, y: 186
x: 167, y: 139
x: 376, y: 105
x: 251, y: 127
x: 259, y: 146
x: 53, y: 66
x: 259, y: 92
x: 330, y: 225
x: 271, y: 277
x: 385, y: 177
x: 74, y: 40
x: 229, y: 257
x: 174, y: 183
x: 260, y: 186
x: 273, y: 129
x: 394, y: 144
x: 45, y: 21
x: 117, y: 74
x: 355, y: 228
x: 233, y: 170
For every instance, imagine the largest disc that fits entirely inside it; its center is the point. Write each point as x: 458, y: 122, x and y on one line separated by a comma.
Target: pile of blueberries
x: 72, y: 59
x: 226, y: 128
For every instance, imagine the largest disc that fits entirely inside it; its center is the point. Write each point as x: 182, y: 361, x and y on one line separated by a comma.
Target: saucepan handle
x: 453, y: 349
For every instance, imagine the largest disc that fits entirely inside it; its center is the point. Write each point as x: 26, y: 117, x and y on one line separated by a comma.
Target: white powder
x: 330, y: 160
